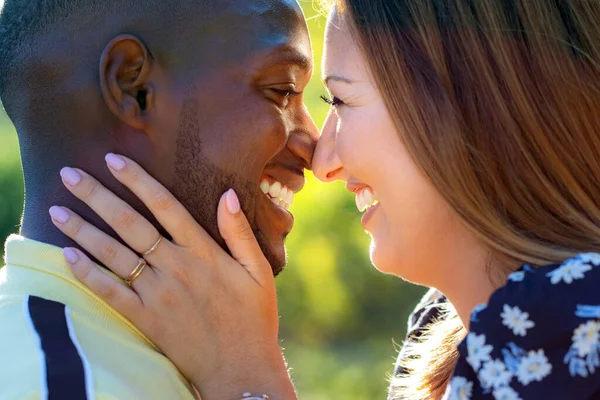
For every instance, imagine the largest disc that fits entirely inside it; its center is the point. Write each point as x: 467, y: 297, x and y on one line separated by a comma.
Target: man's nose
x: 326, y: 163
x: 303, y: 139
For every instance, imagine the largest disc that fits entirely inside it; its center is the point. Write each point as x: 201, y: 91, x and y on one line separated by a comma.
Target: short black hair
x: 20, y: 20
x: 25, y: 26
x: 23, y: 21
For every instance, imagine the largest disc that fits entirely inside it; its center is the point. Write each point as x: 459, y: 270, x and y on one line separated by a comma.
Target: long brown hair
x: 498, y: 103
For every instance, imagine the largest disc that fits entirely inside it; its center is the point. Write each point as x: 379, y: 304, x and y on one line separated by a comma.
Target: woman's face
x: 414, y: 233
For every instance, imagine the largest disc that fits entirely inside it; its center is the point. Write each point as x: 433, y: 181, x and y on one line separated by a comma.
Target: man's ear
x: 125, y: 69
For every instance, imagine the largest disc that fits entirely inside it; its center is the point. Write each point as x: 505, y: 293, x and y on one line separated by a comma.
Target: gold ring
x: 153, y: 248
x: 137, y: 271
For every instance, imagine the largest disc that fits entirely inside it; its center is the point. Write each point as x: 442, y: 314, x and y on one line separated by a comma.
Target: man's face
x: 241, y: 123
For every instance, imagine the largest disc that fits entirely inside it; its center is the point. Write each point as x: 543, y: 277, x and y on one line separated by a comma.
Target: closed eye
x: 286, y: 93
x: 334, y: 102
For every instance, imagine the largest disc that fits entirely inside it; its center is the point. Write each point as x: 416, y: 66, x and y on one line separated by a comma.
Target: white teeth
x: 279, y: 194
x: 365, y: 198
x: 264, y: 187
x: 275, y: 189
x: 283, y: 194
x: 368, y: 197
x: 360, y: 202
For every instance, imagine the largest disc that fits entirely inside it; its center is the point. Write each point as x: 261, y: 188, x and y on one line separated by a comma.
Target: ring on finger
x: 137, y: 271
x: 153, y: 248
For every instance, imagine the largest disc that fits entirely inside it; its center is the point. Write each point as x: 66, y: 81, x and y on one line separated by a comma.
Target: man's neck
x: 43, y: 193
x: 44, y: 187
x: 37, y: 224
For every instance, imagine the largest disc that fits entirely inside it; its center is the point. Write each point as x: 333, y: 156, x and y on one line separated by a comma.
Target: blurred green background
x: 340, y: 316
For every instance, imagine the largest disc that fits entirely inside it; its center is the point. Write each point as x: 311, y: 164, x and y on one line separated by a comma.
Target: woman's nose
x: 326, y: 163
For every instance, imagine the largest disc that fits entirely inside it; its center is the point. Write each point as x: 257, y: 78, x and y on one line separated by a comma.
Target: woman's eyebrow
x: 337, y: 78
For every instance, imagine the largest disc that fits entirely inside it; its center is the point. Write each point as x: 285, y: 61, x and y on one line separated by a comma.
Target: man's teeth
x: 279, y: 194
x: 365, y: 198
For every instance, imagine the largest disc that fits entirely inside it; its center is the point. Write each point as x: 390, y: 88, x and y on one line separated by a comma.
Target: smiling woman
x: 482, y: 122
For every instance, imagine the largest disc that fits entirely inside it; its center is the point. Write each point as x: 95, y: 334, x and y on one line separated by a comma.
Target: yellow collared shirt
x: 58, y: 340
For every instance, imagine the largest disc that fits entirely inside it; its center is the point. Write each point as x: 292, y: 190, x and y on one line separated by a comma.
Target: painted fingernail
x: 71, y: 255
x: 232, y: 201
x: 115, y: 162
x: 70, y: 176
x: 59, y: 214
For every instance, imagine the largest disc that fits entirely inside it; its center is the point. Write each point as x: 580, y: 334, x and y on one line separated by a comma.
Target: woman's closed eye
x: 333, y: 102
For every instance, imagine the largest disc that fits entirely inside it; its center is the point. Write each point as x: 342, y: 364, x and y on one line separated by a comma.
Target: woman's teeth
x: 365, y: 198
x: 279, y: 194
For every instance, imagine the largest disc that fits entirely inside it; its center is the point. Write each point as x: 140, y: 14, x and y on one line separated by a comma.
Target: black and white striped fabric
x: 65, y: 370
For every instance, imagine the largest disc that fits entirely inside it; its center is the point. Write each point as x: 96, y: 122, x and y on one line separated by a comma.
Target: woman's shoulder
x: 539, y: 335
x: 428, y: 310
x: 544, y: 293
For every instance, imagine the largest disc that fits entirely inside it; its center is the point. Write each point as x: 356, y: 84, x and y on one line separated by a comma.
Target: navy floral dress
x: 537, y: 338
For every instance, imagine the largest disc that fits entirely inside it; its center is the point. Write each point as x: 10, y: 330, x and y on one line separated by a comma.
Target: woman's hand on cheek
x: 213, y: 315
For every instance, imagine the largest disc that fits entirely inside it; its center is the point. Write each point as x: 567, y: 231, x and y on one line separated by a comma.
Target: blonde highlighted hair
x: 498, y: 103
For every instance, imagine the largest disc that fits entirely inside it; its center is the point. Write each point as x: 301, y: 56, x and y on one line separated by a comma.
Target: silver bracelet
x: 248, y: 396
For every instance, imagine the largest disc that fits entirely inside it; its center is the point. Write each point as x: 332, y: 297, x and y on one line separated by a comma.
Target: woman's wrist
x: 266, y: 375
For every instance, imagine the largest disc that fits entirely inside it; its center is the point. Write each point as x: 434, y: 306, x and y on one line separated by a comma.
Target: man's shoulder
x: 20, y: 366
x: 14, y: 322
x: 41, y: 356
x: 38, y: 355
x: 46, y: 348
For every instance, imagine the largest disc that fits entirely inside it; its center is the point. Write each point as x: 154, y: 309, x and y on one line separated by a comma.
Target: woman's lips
x: 369, y: 215
x: 366, y: 201
x: 365, y: 198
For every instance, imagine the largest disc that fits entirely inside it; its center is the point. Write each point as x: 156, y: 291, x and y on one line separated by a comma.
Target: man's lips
x: 277, y: 192
x: 281, y: 183
x: 289, y: 176
x: 273, y: 218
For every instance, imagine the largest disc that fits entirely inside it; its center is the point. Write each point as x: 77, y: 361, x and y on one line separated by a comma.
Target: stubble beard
x: 199, y: 183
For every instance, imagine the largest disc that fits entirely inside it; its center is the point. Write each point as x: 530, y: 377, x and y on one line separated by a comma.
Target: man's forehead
x: 261, y: 5
x: 299, y: 57
x: 245, y: 30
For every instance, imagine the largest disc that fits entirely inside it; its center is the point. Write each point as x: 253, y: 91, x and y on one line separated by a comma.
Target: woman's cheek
x: 384, y: 250
x: 351, y: 147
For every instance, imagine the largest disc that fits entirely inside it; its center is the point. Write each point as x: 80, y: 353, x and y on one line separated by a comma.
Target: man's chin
x: 275, y: 253
x: 277, y: 261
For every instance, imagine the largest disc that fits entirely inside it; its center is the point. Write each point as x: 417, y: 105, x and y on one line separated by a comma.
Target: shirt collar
x: 48, y: 259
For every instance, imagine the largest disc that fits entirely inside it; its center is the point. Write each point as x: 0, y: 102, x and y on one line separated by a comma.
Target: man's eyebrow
x: 337, y: 78
x: 289, y: 56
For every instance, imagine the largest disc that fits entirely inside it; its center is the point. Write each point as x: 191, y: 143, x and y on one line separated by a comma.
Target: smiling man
x: 205, y: 95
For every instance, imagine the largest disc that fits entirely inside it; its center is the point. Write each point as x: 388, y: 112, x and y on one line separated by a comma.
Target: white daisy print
x: 494, y: 375
x: 516, y: 320
x: 517, y: 276
x: 587, y: 311
x: 460, y: 389
x: 479, y: 352
x: 533, y: 367
x: 571, y: 270
x: 505, y: 393
x: 592, y: 258
x: 585, y: 338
